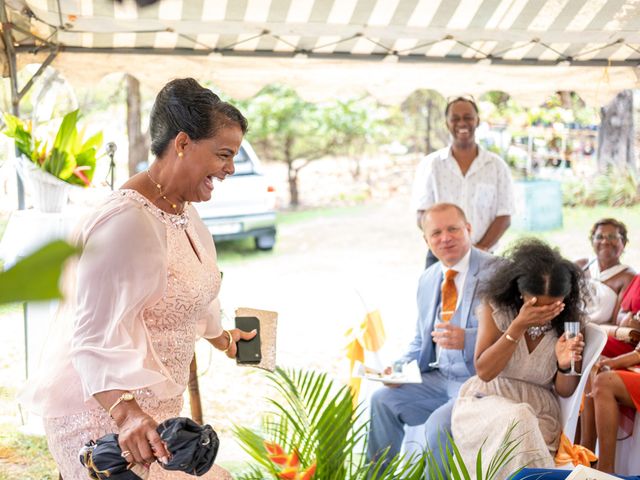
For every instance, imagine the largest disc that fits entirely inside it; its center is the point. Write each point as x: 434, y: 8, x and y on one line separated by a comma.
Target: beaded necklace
x: 163, y: 196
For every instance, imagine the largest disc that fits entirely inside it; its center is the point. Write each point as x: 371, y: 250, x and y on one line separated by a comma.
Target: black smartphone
x: 249, y: 350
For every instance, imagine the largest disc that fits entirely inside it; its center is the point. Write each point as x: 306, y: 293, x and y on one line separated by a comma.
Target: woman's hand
x: 621, y: 361
x: 138, y: 438
x: 605, y: 364
x: 228, y: 339
x: 630, y: 320
x: 531, y: 315
x: 565, y: 348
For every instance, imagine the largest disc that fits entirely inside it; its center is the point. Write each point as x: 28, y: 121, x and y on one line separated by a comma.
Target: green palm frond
x: 316, y: 418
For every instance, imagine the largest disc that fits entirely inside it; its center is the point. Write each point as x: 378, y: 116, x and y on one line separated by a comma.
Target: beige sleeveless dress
x: 522, y: 392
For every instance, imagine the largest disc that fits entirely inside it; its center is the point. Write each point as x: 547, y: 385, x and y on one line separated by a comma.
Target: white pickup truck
x: 243, y: 205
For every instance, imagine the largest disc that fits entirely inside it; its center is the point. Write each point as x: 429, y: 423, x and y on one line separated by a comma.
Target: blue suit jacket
x: 422, y: 347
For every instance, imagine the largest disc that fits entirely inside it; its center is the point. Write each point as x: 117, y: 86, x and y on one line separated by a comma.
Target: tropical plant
x: 614, y: 188
x: 314, y: 431
x: 70, y: 158
x: 36, y: 277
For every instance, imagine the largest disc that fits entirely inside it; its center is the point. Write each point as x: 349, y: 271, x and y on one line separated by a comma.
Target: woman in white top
x: 608, y: 277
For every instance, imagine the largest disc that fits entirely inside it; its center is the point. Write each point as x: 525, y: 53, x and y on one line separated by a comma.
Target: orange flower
x: 309, y: 473
x: 273, y: 448
x: 290, y: 463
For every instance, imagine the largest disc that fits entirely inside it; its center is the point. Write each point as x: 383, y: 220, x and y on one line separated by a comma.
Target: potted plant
x: 314, y: 432
x: 49, y: 172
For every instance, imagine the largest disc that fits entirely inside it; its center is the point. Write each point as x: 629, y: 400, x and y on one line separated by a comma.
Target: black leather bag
x: 193, y: 449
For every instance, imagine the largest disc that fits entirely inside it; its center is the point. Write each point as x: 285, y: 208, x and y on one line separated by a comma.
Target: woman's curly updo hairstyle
x: 532, y: 267
x: 183, y: 105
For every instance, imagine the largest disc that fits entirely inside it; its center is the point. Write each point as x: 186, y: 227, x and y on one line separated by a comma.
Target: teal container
x: 538, y: 205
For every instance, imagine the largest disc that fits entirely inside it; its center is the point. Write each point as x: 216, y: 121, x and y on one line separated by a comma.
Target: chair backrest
x: 594, y: 341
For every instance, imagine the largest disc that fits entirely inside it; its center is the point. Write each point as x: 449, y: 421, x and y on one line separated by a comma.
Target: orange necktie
x: 449, y: 295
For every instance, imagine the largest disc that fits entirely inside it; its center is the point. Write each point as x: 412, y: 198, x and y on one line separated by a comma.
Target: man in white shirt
x: 466, y: 175
x: 445, y: 337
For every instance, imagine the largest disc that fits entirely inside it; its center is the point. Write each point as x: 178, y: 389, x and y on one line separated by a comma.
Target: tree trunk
x: 428, y: 149
x: 615, y: 136
x: 293, y: 185
x: 138, y: 141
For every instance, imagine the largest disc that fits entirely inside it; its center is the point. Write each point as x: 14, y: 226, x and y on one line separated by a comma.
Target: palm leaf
x: 36, y: 277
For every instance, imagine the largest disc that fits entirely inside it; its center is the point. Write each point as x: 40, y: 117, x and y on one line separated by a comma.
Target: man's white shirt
x: 484, y: 193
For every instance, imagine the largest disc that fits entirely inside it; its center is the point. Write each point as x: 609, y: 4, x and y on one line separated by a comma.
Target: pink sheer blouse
x: 131, y: 250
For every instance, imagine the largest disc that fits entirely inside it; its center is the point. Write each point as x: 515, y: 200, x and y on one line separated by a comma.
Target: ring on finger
x: 125, y: 454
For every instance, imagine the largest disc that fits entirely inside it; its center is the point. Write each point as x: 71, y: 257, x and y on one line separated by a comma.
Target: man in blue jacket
x: 446, y: 330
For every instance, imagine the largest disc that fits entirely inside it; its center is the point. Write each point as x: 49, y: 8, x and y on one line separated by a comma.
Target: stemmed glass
x: 571, y: 330
x: 436, y: 364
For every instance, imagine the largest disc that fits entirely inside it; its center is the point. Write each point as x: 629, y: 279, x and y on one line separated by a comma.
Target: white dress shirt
x: 484, y: 193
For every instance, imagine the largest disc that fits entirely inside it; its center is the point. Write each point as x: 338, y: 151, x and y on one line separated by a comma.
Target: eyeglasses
x: 612, y: 237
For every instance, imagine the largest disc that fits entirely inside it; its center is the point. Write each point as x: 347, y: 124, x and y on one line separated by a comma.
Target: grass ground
x: 302, y: 237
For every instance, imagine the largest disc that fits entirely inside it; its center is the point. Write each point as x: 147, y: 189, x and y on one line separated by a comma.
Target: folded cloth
x: 193, y: 449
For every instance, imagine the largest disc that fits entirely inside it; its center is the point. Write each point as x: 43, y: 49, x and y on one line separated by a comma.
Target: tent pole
x: 13, y: 72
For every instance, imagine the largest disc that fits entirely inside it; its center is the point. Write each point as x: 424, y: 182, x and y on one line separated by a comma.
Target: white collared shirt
x: 462, y: 267
x: 484, y: 193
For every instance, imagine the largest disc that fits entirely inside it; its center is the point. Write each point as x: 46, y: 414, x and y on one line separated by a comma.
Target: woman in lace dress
x: 521, y: 358
x: 147, y: 286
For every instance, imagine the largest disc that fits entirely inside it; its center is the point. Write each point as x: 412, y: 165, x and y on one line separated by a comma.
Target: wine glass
x: 571, y: 330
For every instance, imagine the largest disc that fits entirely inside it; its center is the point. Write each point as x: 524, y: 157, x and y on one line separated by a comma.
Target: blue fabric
x: 551, y: 474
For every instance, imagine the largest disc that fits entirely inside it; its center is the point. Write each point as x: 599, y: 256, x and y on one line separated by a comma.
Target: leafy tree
x: 286, y: 128
x: 424, y: 121
x: 356, y: 125
x: 283, y: 127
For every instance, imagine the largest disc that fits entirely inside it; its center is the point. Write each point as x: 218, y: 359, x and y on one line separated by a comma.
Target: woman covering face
x: 523, y: 357
x: 148, y: 287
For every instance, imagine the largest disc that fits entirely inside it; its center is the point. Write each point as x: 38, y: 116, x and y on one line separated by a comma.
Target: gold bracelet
x: 510, y: 338
x: 230, y: 340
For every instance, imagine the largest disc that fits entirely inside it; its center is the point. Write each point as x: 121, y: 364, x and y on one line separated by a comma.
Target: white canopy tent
x: 324, y: 48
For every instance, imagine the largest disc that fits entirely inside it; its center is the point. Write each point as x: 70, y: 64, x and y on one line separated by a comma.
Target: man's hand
x: 389, y: 371
x: 448, y: 336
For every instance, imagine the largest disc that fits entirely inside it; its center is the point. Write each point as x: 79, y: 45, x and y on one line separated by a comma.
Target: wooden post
x: 194, y: 392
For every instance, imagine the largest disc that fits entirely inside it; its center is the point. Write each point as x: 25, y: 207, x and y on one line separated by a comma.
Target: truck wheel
x: 266, y: 241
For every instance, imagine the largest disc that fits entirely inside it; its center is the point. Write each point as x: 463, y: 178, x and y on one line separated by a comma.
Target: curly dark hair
x: 617, y: 224
x: 183, y: 105
x: 532, y: 267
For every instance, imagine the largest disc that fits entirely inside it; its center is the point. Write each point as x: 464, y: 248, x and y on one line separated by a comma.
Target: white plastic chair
x: 627, y: 458
x: 594, y: 341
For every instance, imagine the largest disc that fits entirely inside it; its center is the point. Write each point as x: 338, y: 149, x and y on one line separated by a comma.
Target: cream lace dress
x: 521, y: 392
x: 147, y: 286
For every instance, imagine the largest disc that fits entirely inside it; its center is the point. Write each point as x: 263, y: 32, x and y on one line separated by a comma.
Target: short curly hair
x: 621, y: 227
x: 532, y: 267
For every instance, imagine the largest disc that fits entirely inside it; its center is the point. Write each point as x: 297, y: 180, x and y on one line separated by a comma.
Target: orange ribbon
x: 576, y: 454
x: 370, y: 336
